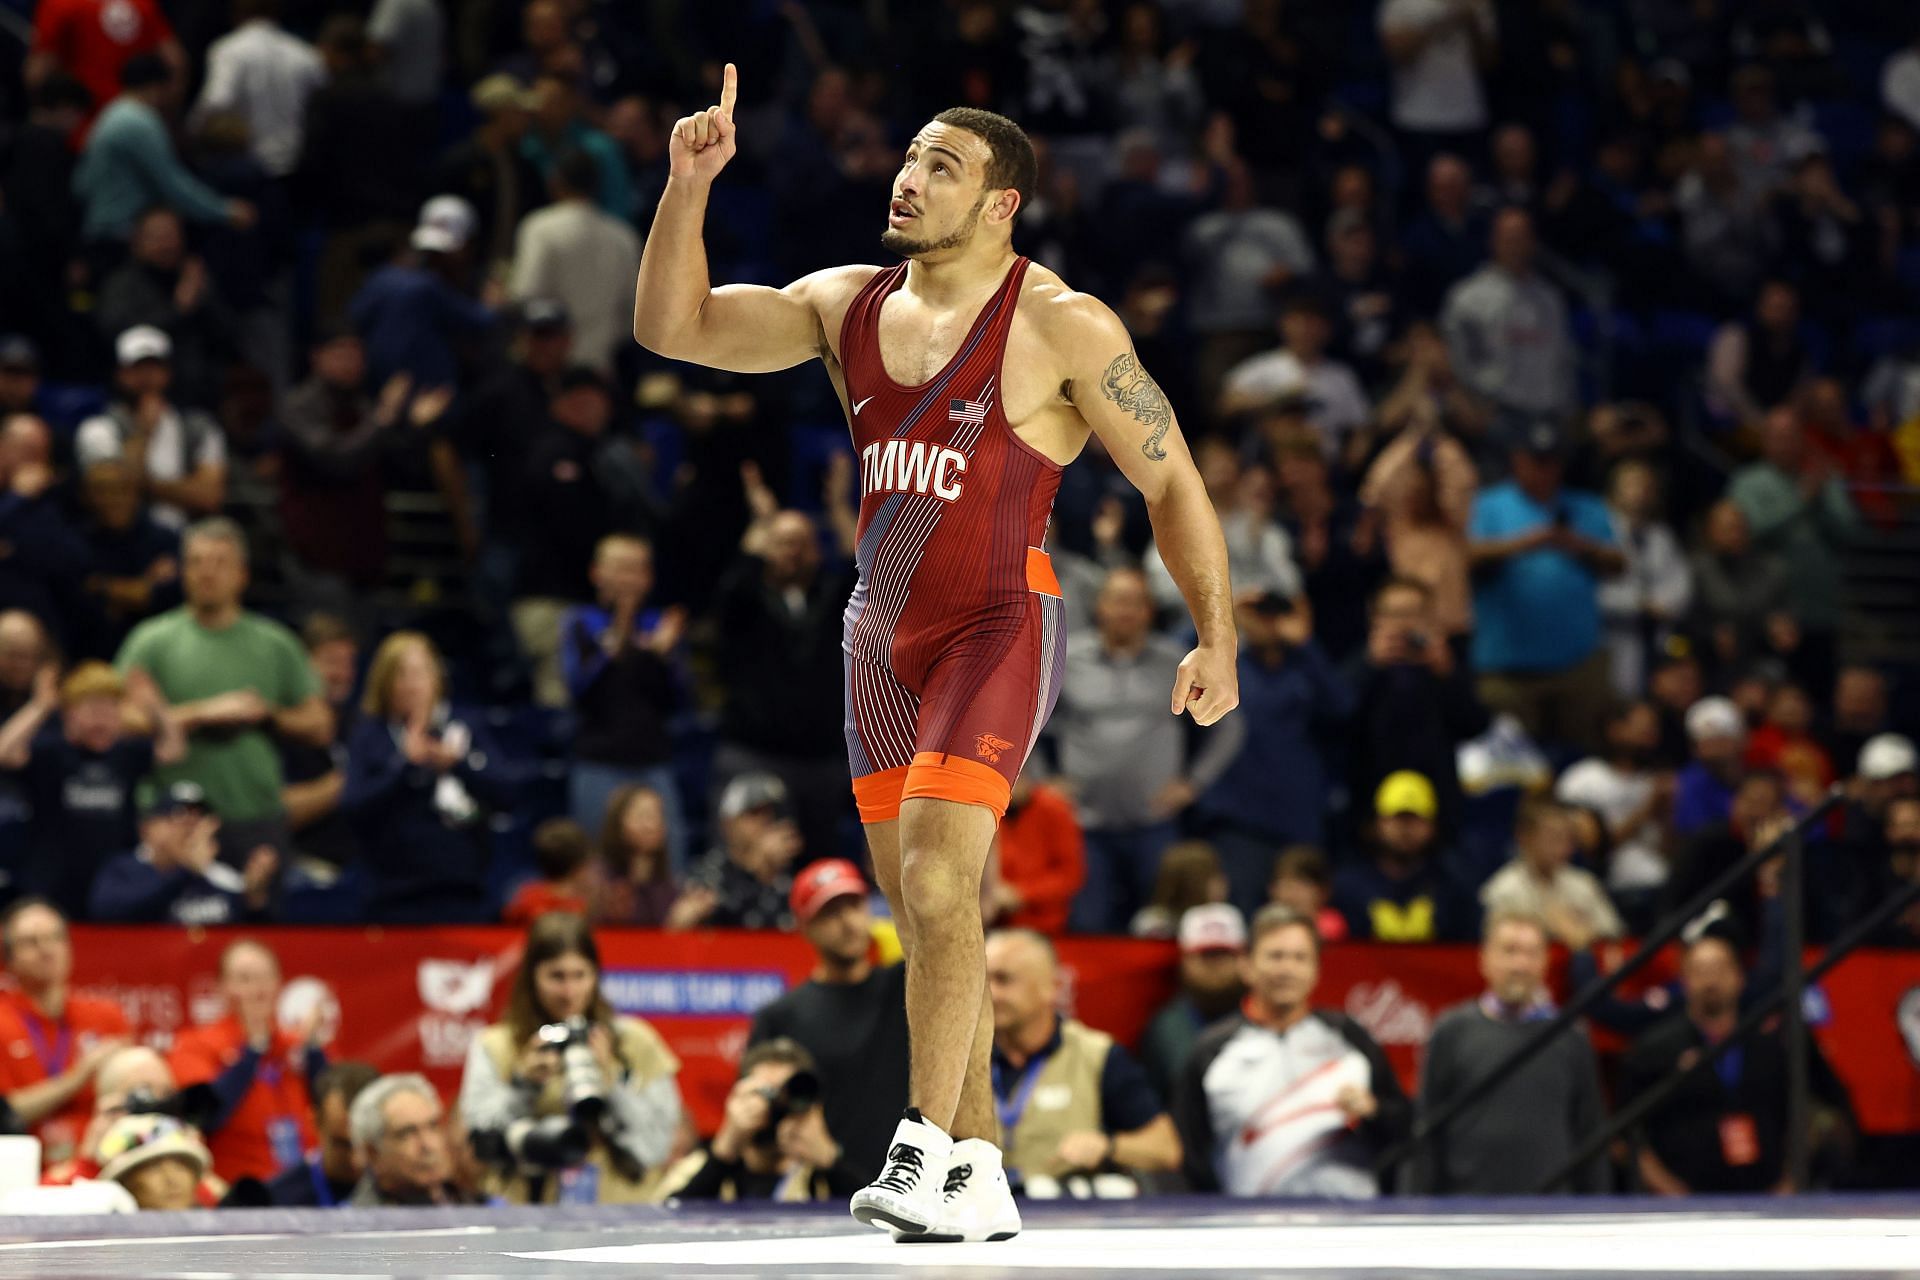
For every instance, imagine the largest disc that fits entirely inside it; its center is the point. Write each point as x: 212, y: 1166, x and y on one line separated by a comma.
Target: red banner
x: 412, y: 999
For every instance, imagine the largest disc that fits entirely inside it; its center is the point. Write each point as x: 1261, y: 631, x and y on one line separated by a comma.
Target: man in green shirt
x: 234, y: 680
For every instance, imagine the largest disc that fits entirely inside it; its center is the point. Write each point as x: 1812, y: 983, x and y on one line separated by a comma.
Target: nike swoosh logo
x: 858, y: 405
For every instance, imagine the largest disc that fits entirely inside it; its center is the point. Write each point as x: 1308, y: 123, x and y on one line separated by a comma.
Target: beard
x: 895, y: 240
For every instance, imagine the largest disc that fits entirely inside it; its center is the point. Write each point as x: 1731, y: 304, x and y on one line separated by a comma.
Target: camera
x: 196, y: 1105
x: 1273, y: 604
x: 585, y: 1084
x: 552, y: 1142
x: 800, y: 1094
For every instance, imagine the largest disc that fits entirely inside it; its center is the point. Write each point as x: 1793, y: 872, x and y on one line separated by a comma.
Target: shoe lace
x: 957, y: 1180
x: 904, y: 1167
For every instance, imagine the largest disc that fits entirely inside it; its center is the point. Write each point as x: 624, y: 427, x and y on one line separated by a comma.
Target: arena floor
x: 1816, y: 1236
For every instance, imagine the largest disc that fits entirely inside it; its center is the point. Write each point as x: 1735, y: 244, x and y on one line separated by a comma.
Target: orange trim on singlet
x: 1040, y: 576
x: 878, y: 795
x: 935, y: 775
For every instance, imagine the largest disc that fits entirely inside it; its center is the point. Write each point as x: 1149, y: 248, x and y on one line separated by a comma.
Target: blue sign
x: 678, y: 993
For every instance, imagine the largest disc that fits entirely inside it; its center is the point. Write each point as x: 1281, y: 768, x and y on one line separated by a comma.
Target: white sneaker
x: 907, y: 1194
x: 976, y: 1203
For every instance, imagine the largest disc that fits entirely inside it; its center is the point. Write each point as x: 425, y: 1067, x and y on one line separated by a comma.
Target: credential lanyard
x: 1012, y: 1108
x: 54, y: 1058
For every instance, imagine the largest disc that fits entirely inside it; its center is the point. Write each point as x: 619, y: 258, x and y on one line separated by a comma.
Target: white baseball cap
x: 1887, y: 755
x: 1213, y: 926
x: 446, y: 224
x: 1714, y: 718
x: 142, y: 342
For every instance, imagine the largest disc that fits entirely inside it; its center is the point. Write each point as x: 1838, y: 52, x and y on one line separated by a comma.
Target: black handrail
x: 1846, y: 944
x: 1547, y: 1032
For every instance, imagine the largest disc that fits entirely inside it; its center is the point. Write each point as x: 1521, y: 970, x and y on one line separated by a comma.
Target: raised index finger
x: 729, y: 86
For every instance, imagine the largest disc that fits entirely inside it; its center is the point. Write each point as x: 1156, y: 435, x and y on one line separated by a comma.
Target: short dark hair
x: 577, y: 171
x: 145, y: 70
x: 1302, y: 862
x: 560, y: 848
x: 60, y: 90
x: 1276, y: 916
x: 1011, y: 161
x: 18, y: 908
x: 323, y: 628
x: 1536, y: 809
x: 781, y: 1049
x: 346, y: 1079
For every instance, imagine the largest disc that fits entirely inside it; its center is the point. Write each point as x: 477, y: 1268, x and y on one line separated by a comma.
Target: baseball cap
x: 132, y: 1141
x: 142, y: 342
x: 820, y: 884
x: 498, y: 92
x: 1213, y: 926
x: 17, y: 351
x: 1714, y: 717
x: 1887, y: 755
x: 752, y: 791
x: 1543, y: 439
x: 544, y: 313
x: 1405, y: 792
x: 446, y: 224
x: 171, y: 799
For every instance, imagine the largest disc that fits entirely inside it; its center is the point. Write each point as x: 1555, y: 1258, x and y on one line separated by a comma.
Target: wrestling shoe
x: 976, y: 1202
x: 907, y: 1194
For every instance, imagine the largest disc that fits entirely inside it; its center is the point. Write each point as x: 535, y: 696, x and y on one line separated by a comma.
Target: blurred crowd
x: 1551, y: 365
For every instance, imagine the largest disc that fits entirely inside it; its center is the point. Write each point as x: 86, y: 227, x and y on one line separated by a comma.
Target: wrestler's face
x: 939, y: 193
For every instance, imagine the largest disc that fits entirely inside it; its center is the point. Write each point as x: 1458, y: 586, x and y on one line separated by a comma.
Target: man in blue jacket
x: 175, y: 874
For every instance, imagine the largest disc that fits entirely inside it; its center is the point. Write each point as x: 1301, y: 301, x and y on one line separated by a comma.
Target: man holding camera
x: 773, y: 1143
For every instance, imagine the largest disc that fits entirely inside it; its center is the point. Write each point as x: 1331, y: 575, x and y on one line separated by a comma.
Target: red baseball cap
x: 820, y: 884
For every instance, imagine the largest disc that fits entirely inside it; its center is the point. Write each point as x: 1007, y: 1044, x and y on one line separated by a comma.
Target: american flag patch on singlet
x: 973, y: 412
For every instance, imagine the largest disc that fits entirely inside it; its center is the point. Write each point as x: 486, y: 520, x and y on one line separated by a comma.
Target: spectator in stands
x: 1363, y: 294
x: 1508, y: 331
x: 637, y: 884
x: 1798, y: 509
x: 1725, y: 1128
x: 779, y: 611
x: 400, y: 1135
x: 19, y: 369
x: 233, y: 679
x: 134, y: 1069
x: 94, y: 40
x: 414, y: 313
x: 619, y: 657
x: 36, y: 180
x: 1766, y: 143
x: 850, y: 1015
x: 1422, y: 487
x: 1784, y: 743
x: 1213, y: 946
x: 1900, y: 82
x: 421, y: 781
x: 327, y: 1176
x: 25, y: 648
x: 1338, y: 409
x: 1259, y: 552
x: 1651, y: 594
x: 1303, y: 881
x: 1635, y: 801
x: 1402, y: 891
x: 1097, y: 1109
x: 1271, y: 793
x: 560, y: 125
x: 750, y: 874
x: 515, y: 1073
x: 316, y: 775
x: 1826, y: 238
x: 1439, y: 50
x: 133, y: 561
x: 1336, y: 544
x: 1896, y: 869
x: 774, y: 1142
x: 162, y: 286
x: 1240, y: 253
x: 179, y: 454
x: 261, y: 1071
x: 82, y: 777
x: 46, y: 554
x: 52, y: 1042
x: 1349, y: 1103
x: 1757, y: 815
x: 1742, y: 607
x: 174, y: 875
x: 1755, y: 366
x: 263, y: 74
x: 1414, y: 699
x: 563, y: 856
x: 1859, y: 712
x: 1190, y: 874
x: 1677, y: 684
x: 129, y: 165
x: 1703, y: 791
x: 1447, y: 240
x: 1539, y: 552
x: 567, y: 483
x: 582, y: 257
x: 159, y: 1161
x: 1510, y: 1139
x: 1542, y: 884
x: 488, y: 171
x: 1728, y: 235
x: 1040, y: 860
x: 1127, y: 761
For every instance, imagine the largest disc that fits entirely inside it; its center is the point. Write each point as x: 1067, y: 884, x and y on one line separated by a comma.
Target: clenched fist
x: 703, y: 142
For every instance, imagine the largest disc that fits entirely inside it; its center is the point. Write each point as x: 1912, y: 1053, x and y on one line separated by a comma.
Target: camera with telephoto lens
x: 585, y: 1084
x: 800, y: 1094
x: 560, y: 1141
x: 196, y: 1105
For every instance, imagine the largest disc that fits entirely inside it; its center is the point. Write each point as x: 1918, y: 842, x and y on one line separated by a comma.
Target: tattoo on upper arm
x: 1131, y: 387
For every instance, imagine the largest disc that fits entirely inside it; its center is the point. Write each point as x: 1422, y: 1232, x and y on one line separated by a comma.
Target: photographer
x: 567, y: 1101
x: 773, y: 1143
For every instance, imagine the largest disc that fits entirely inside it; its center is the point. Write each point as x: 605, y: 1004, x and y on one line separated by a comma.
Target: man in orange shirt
x: 261, y: 1074
x: 1042, y: 861
x: 51, y: 1043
